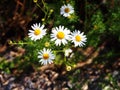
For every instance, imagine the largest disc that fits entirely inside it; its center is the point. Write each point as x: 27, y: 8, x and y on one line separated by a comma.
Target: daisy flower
x: 66, y: 10
x: 46, y: 56
x: 67, y: 52
x: 38, y: 32
x: 60, y: 35
x: 78, y: 38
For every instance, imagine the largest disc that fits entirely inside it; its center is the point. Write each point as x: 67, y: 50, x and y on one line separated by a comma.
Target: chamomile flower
x: 67, y: 52
x: 38, y: 32
x: 46, y: 56
x: 60, y: 35
x: 66, y: 10
x: 78, y: 38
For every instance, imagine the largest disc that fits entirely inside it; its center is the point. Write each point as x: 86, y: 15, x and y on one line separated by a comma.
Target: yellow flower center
x: 60, y: 35
x: 37, y: 31
x: 67, y: 10
x: 77, y: 38
x: 45, y: 55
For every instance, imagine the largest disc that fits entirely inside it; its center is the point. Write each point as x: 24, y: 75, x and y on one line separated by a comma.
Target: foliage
x: 100, y: 26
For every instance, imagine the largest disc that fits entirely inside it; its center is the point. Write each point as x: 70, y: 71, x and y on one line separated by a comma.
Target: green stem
x: 40, y: 7
x: 14, y: 43
x: 46, y: 12
x: 43, y: 3
x: 85, y: 15
x: 59, y: 51
x: 64, y: 58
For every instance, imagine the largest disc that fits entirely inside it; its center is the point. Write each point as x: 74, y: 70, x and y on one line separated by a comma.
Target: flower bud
x: 68, y: 68
x: 47, y: 44
x: 35, y: 1
x: 51, y: 10
x: 43, y: 19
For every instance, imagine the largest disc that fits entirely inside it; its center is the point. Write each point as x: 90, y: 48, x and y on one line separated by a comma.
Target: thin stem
x: 43, y: 3
x: 64, y: 58
x: 85, y: 15
x: 59, y: 51
x: 19, y: 43
x: 40, y: 7
x: 46, y: 12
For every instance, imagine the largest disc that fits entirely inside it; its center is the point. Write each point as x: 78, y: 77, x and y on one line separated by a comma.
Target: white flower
x: 60, y: 35
x: 78, y: 38
x: 67, y: 52
x: 38, y: 32
x: 66, y: 10
x: 115, y: 73
x: 108, y: 88
x: 46, y: 56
